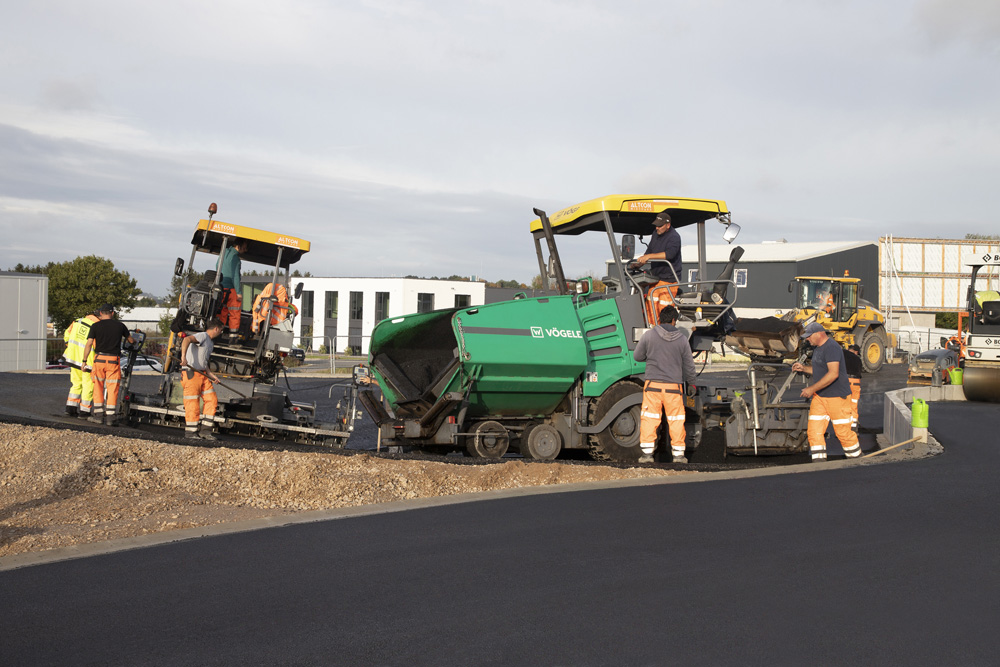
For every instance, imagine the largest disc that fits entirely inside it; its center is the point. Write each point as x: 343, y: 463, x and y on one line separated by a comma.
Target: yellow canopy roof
x: 262, y: 246
x: 630, y: 214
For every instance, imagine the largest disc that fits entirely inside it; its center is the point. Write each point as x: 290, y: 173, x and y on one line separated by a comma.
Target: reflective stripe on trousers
x: 197, y: 389
x: 656, y: 398
x: 106, y: 374
x: 836, y: 411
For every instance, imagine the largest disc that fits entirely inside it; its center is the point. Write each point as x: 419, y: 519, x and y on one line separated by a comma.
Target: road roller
x: 981, y: 377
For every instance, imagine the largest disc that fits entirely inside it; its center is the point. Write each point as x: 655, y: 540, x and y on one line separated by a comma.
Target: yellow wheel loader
x: 836, y: 303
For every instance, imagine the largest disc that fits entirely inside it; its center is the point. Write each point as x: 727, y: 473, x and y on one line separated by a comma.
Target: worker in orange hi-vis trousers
x: 830, y: 393
x: 669, y: 364
x: 105, y: 338
x: 230, y: 267
x: 664, y: 245
x: 198, y: 382
x: 852, y: 359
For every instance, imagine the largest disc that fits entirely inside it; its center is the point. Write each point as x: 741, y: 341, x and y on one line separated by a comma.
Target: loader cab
x: 836, y: 299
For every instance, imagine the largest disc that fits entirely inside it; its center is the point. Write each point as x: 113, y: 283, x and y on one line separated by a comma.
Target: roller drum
x: 982, y: 383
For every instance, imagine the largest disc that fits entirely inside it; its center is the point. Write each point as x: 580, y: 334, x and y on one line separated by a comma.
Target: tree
x: 982, y: 237
x: 177, y: 283
x: 81, y: 286
x: 946, y: 320
x: 146, y: 302
x: 22, y: 268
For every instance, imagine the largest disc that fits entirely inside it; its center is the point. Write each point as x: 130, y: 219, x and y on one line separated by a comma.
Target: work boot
x: 680, y: 459
x: 83, y: 415
x: 206, y: 434
x: 192, y: 435
x: 72, y: 410
x: 110, y: 421
x: 646, y: 458
x: 95, y: 420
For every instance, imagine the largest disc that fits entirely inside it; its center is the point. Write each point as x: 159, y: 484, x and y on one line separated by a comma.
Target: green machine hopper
x: 547, y: 373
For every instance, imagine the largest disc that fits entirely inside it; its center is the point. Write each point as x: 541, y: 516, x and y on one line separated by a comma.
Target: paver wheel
x: 488, y: 441
x: 620, y: 440
x: 541, y: 442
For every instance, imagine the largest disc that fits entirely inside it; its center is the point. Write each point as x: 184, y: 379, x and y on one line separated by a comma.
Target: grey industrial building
x: 766, y: 269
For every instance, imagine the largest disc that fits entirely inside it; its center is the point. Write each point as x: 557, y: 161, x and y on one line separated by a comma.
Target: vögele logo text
x: 564, y: 333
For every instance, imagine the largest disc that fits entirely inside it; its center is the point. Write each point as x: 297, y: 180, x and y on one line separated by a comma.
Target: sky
x: 406, y: 137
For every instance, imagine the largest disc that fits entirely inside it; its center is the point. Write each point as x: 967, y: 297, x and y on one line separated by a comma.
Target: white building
x: 146, y: 318
x: 920, y: 277
x: 24, y: 300
x: 341, y: 312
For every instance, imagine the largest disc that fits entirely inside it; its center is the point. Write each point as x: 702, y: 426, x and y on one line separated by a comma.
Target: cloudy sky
x: 416, y: 136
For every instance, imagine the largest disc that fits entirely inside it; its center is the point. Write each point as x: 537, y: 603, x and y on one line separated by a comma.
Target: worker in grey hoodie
x: 669, y: 364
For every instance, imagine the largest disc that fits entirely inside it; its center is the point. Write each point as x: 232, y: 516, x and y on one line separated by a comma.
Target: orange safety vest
x: 262, y: 305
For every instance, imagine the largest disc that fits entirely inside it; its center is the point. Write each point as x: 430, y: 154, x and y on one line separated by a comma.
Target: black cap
x: 661, y: 219
x: 106, y: 308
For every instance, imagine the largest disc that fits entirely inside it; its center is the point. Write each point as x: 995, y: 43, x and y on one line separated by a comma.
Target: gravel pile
x: 63, y: 487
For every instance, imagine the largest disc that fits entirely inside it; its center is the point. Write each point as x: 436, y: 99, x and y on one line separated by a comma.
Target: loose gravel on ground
x: 61, y: 487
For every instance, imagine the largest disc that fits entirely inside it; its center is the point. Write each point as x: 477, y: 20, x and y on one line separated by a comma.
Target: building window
x: 330, y: 306
x: 307, y: 332
x: 425, y: 302
x: 307, y: 304
x: 381, y: 306
x: 462, y: 300
x: 357, y: 305
x: 741, y: 278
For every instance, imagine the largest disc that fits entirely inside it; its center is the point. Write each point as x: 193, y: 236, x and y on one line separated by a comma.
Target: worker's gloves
x: 691, y: 390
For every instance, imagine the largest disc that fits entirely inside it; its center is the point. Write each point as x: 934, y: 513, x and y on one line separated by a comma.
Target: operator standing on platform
x: 665, y: 244
x: 81, y: 390
x: 669, y: 364
x: 198, y: 381
x: 105, y: 338
x: 232, y: 302
x: 830, y: 393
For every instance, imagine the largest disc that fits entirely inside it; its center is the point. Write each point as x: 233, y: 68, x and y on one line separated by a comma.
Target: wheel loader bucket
x: 766, y: 337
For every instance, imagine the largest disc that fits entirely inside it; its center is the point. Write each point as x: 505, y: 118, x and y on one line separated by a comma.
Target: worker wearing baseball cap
x: 105, y: 338
x: 830, y: 392
x: 665, y: 245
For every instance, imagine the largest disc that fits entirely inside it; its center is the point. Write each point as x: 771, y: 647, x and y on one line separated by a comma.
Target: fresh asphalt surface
x: 880, y: 564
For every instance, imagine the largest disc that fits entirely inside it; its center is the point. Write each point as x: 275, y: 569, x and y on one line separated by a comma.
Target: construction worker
x: 824, y: 299
x: 669, y: 364
x: 830, y: 393
x: 198, y: 381
x: 232, y: 299
x: 81, y: 390
x: 264, y: 306
x: 666, y: 245
x: 852, y: 363
x: 105, y: 338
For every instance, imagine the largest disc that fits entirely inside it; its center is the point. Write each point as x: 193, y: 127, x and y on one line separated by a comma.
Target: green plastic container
x: 955, y: 376
x: 921, y: 413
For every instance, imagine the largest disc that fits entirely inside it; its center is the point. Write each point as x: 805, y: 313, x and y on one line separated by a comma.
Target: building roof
x: 774, y: 251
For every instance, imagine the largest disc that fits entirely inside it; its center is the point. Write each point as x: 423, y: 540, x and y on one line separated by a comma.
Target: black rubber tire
x: 873, y: 351
x: 620, y: 440
x: 489, y: 440
x: 541, y: 442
